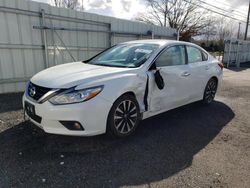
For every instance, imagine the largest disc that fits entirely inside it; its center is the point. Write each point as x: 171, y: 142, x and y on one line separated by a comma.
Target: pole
x: 245, y: 38
x: 178, y: 34
x: 152, y: 33
x: 237, y: 55
x: 44, y: 38
x: 238, y: 36
x: 229, y: 55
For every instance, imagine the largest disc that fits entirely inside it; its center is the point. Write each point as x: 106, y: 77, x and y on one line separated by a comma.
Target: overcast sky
x: 128, y: 9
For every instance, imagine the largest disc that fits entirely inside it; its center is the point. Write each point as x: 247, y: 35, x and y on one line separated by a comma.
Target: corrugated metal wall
x: 34, y: 36
x: 236, y: 52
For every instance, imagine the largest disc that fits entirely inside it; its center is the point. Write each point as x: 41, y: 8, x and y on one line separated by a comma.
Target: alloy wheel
x: 125, y: 116
x: 210, y: 91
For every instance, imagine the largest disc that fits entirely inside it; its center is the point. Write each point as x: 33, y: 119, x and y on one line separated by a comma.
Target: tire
x: 210, y: 91
x: 124, y: 117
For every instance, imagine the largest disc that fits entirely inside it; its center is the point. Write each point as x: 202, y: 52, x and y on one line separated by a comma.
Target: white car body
x: 184, y: 84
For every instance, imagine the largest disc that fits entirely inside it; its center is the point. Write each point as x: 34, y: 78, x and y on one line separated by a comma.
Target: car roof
x: 161, y: 42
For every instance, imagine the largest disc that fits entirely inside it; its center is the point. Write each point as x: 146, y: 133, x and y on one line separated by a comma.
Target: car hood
x: 72, y: 74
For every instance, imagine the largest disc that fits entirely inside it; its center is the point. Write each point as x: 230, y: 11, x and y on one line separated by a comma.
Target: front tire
x: 123, y: 117
x: 210, y: 91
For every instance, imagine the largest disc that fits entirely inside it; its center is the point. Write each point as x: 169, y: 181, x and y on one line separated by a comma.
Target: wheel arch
x: 215, y: 78
x: 131, y: 93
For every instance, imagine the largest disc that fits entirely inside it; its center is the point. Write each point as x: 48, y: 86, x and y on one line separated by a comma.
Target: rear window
x: 194, y: 54
x: 204, y: 56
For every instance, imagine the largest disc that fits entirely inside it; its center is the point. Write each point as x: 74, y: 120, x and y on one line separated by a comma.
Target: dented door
x: 172, y: 66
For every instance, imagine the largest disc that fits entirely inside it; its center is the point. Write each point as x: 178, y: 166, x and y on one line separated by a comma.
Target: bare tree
x: 210, y: 30
x: 183, y: 15
x: 58, y: 3
x: 72, y: 4
x: 225, y: 29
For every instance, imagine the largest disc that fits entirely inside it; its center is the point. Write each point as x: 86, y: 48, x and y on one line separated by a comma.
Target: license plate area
x: 30, y: 110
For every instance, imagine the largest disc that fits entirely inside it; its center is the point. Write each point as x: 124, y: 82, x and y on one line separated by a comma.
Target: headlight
x: 76, y: 96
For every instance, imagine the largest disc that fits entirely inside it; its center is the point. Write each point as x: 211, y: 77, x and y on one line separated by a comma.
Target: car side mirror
x: 158, y: 79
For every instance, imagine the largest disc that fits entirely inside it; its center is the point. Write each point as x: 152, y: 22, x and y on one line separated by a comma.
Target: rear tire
x: 210, y: 91
x: 123, y: 117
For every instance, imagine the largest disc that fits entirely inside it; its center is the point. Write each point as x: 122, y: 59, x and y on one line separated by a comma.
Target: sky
x: 125, y: 9
x: 130, y: 9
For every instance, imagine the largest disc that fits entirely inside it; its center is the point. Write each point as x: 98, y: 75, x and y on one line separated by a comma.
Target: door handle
x: 207, y: 67
x: 185, y: 74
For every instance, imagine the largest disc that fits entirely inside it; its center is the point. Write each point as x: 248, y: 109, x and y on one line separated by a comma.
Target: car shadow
x: 162, y: 146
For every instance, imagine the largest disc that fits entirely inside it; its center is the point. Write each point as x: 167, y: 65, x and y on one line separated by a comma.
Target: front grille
x: 36, y: 92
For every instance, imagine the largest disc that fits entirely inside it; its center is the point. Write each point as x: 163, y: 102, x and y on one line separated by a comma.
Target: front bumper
x: 92, y: 115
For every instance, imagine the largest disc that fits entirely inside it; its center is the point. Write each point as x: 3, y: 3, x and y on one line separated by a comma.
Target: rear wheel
x: 210, y: 91
x: 124, y: 116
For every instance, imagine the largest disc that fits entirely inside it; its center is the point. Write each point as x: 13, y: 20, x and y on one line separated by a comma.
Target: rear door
x: 198, y: 66
x: 175, y: 72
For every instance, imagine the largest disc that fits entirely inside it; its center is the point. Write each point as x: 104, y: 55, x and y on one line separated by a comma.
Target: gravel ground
x: 192, y: 146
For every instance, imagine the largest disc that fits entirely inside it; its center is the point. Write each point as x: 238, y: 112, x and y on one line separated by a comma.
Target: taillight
x: 221, y: 65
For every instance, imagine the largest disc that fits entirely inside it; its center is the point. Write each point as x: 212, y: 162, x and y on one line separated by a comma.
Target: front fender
x: 117, y: 85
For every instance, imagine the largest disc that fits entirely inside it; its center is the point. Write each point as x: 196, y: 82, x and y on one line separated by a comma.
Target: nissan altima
x: 116, y: 89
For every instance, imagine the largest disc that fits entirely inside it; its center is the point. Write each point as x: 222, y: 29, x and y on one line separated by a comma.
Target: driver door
x: 172, y: 66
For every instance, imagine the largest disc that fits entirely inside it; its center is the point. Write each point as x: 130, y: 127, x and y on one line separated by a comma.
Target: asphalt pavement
x: 192, y: 146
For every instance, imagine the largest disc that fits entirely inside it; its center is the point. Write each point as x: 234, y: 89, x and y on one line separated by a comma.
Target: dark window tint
x: 125, y: 55
x: 174, y: 55
x: 205, y: 56
x: 194, y: 54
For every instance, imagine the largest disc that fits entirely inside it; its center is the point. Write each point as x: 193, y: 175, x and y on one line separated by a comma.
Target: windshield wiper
x: 108, y: 65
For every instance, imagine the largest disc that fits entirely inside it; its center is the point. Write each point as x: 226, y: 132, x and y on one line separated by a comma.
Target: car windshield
x: 125, y: 55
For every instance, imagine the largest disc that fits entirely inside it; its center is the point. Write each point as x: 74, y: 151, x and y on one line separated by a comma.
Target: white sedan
x: 116, y: 89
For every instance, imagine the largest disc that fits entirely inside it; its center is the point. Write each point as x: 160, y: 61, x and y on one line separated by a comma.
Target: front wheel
x: 123, y: 117
x: 210, y: 91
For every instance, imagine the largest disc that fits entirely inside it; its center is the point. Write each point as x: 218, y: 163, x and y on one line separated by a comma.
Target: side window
x: 174, y: 55
x: 205, y: 56
x: 194, y: 54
